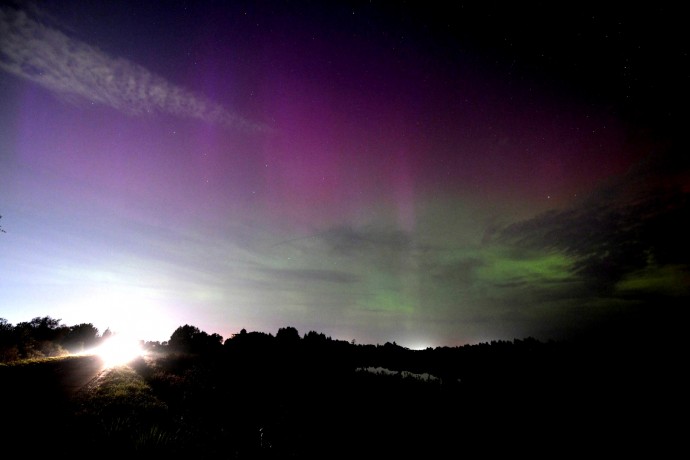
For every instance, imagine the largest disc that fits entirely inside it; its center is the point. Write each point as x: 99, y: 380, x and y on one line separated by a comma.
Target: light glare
x: 119, y: 350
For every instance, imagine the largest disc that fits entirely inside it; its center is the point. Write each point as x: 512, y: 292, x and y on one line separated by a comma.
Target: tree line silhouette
x: 44, y: 337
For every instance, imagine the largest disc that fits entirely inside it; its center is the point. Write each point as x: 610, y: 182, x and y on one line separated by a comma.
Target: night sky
x: 376, y: 171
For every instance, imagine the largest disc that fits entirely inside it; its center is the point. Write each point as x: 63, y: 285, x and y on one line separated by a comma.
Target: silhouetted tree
x: 106, y: 334
x: 183, y: 337
x: 314, y: 338
x: 40, y: 337
x: 1, y: 229
x: 288, y: 335
x: 81, y: 337
x: 255, y: 342
x: 8, y: 343
x: 190, y: 339
x: 211, y: 342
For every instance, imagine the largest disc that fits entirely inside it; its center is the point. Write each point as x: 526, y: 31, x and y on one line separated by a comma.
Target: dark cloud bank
x: 629, y: 244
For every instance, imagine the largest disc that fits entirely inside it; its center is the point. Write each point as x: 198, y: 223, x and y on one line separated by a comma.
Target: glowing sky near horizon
x: 369, y: 171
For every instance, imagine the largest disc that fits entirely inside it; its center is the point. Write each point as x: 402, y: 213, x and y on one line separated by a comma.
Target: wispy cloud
x: 306, y: 276
x: 77, y: 71
x: 348, y: 240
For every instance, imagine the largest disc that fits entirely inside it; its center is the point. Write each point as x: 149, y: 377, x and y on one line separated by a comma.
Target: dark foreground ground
x: 546, y: 402
x: 37, y: 402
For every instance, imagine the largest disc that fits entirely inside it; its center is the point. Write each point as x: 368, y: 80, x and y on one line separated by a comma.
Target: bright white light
x: 420, y: 345
x: 141, y: 312
x: 118, y: 350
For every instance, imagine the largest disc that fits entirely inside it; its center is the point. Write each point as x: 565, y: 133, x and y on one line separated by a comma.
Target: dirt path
x: 75, y: 375
x: 38, y: 399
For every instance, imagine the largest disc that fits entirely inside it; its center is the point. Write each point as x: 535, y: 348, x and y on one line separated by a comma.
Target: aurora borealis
x: 421, y: 174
